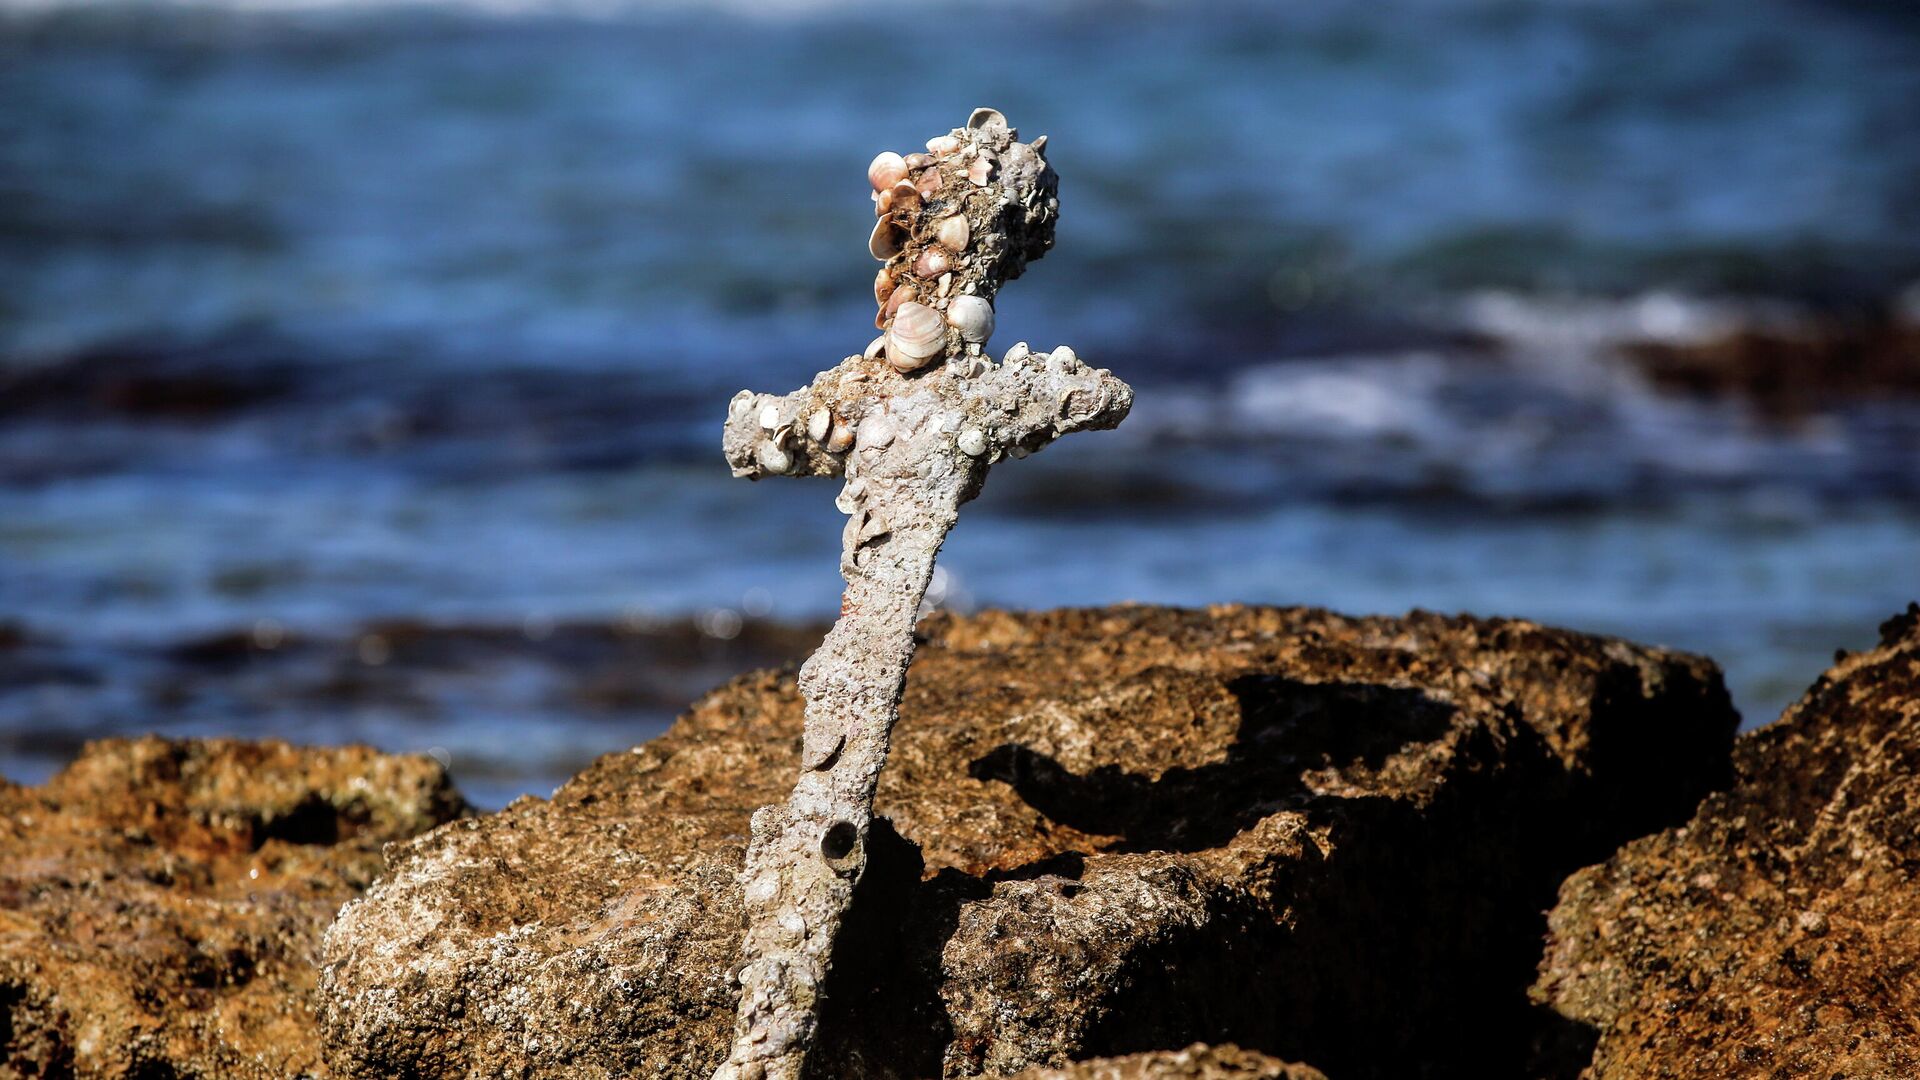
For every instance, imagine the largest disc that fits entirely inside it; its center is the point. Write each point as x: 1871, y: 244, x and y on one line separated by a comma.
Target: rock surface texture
x: 1105, y: 832
x: 1198, y: 1062
x: 161, y: 901
x: 1777, y: 934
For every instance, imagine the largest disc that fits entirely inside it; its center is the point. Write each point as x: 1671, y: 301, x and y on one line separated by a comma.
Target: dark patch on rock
x: 161, y: 901
x: 1777, y: 933
x: 1113, y: 830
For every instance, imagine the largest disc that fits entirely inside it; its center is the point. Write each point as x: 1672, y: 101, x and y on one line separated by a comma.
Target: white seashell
x: 874, y: 347
x: 875, y: 431
x: 972, y: 316
x: 946, y: 284
x: 1063, y: 361
x: 904, y: 197
x: 882, y: 202
x: 1040, y: 147
x: 882, y: 286
x: 919, y: 334
x: 980, y: 171
x: 1018, y: 353
x: 972, y: 442
x: 819, y: 424
x: 741, y: 405
x: 773, y: 459
x: 942, y: 145
x: 770, y: 416
x: 953, y: 233
x: 984, y: 117
x: 932, y: 263
x: 886, y: 170
x: 840, y: 438
x: 886, y: 240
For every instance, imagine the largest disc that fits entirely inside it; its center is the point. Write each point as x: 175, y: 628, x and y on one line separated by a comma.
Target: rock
x: 1777, y: 933
x: 161, y: 901
x: 1791, y: 371
x: 1118, y: 830
x: 1197, y: 1062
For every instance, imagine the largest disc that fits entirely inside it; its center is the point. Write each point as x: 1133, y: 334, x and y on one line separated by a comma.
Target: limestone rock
x: 161, y: 901
x: 1197, y: 1062
x: 1778, y: 932
x: 1118, y: 830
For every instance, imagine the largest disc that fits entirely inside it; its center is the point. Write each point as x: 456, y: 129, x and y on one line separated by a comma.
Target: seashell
x: 929, y: 183
x: 984, y: 117
x: 942, y: 145
x: 819, y: 424
x: 875, y: 431
x: 1018, y: 353
x: 953, y: 233
x: 883, y: 284
x: 882, y: 202
x: 886, y: 240
x: 904, y: 196
x: 902, y: 295
x: 770, y: 416
x: 741, y: 405
x: 773, y: 459
x: 946, y: 284
x: 839, y: 437
x: 1063, y: 361
x: 1018, y: 451
x: 932, y: 263
x: 918, y: 161
x: 1040, y: 147
x: 979, y: 171
x: 874, y: 347
x: 972, y: 442
x: 918, y: 335
x: 886, y: 170
x: 972, y: 316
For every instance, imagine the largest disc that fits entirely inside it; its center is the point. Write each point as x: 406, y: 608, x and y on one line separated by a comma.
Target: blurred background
x: 362, y: 366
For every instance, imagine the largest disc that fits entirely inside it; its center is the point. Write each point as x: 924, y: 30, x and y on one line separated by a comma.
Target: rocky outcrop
x: 1777, y: 934
x: 161, y: 901
x: 1198, y: 1062
x: 1116, y: 830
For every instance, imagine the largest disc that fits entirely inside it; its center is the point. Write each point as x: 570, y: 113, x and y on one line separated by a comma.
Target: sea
x: 362, y: 364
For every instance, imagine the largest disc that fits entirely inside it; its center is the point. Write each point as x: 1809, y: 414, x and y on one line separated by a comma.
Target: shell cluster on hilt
x: 953, y: 224
x: 818, y: 429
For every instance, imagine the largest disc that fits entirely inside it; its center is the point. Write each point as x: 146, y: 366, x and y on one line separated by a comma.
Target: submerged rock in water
x: 1777, y: 933
x: 1198, y: 1062
x: 161, y: 901
x: 1112, y: 830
